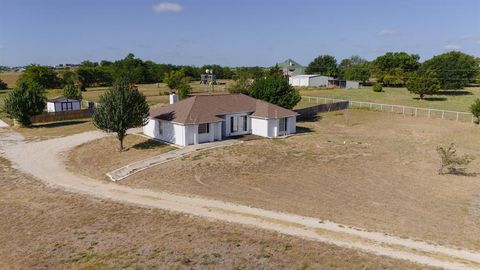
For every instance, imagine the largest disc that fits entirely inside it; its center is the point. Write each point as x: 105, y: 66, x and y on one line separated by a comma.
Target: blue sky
x: 235, y: 33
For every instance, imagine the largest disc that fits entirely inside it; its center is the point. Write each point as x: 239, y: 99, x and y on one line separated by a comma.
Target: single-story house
x: 309, y: 80
x: 208, y: 118
x: 61, y: 104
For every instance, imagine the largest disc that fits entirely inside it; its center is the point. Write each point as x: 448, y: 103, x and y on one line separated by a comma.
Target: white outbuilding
x: 309, y: 80
x: 62, y: 104
x: 208, y: 118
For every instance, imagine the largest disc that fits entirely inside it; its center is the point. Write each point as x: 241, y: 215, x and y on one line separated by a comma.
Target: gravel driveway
x: 44, y: 160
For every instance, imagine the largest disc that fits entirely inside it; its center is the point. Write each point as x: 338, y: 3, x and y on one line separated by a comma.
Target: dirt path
x: 44, y: 160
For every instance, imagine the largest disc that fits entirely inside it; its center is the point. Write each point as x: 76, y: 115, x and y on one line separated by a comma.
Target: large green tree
x: 44, y: 76
x: 455, y: 70
x: 121, y: 108
x: 423, y: 83
x: 275, y: 89
x: 354, y: 68
x: 26, y: 100
x: 323, y: 65
x: 393, y: 68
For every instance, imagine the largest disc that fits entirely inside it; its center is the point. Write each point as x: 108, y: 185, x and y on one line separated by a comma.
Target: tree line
x: 453, y: 70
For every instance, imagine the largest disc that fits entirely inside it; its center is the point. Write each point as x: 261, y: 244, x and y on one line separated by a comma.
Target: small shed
x: 61, y: 104
x: 309, y: 80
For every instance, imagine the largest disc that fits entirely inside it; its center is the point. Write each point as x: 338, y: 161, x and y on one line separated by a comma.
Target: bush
x: 377, y: 88
x: 451, y: 163
x: 183, y: 90
x: 475, y: 109
x: 275, y: 89
x: 25, y: 101
x: 3, y: 85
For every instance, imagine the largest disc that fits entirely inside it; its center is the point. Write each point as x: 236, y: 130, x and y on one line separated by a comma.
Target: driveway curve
x: 44, y: 160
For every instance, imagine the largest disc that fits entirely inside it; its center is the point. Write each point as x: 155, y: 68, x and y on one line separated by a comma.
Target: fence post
x: 392, y: 108
x: 457, y: 116
x: 416, y: 111
x: 429, y: 112
x: 443, y: 114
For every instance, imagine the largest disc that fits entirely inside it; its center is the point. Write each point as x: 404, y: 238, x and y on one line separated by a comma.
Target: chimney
x: 173, y: 98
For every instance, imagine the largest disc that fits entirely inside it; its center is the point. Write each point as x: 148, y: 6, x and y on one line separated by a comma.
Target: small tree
x: 3, y: 85
x: 183, y: 90
x: 475, y: 109
x: 121, y: 108
x: 451, y: 163
x: 275, y: 89
x: 71, y: 91
x: 174, y: 78
x: 241, y: 84
x: 423, y: 84
x: 25, y: 101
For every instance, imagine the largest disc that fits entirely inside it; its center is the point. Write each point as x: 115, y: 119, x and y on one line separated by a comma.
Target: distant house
x: 61, y: 104
x: 291, y: 68
x: 309, y: 80
x: 321, y: 81
x: 208, y: 118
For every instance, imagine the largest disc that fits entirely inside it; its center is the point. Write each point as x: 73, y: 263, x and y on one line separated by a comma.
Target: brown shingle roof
x: 207, y: 109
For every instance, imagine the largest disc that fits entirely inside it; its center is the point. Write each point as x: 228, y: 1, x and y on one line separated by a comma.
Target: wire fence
x: 399, y: 109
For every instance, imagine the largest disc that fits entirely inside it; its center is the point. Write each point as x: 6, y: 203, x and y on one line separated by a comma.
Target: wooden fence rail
x: 62, y: 116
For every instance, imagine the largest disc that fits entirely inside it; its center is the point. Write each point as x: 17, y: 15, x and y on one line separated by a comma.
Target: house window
x: 160, y: 127
x: 66, y: 106
x: 203, y: 128
x: 283, y: 124
x: 245, y: 123
x: 232, y: 124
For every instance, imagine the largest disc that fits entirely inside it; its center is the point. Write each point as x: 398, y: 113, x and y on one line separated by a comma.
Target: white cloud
x: 386, y: 32
x: 452, y: 47
x: 167, y: 7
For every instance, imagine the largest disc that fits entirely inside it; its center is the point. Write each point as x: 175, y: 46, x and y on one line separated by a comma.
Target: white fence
x: 405, y: 110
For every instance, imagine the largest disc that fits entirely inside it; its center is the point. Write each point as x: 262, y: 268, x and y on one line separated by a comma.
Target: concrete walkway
x: 141, y: 165
x: 3, y: 124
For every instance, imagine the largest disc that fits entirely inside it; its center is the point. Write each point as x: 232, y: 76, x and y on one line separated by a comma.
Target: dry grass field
x: 371, y: 170
x: 107, y: 158
x: 10, y: 78
x: 45, y: 228
x: 444, y: 100
x: 45, y: 131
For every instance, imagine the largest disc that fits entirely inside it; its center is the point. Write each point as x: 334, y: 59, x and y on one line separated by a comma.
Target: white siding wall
x: 172, y: 133
x: 260, y: 127
x: 319, y: 81
x: 50, y: 107
x: 353, y: 84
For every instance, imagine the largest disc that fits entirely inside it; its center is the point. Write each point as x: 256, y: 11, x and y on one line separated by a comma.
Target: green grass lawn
x: 445, y: 100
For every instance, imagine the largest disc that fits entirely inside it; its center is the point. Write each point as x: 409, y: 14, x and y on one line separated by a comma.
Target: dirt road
x: 44, y: 160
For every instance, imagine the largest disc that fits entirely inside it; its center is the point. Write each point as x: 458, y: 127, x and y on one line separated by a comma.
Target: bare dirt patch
x: 98, y: 157
x: 375, y: 171
x: 45, y: 228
